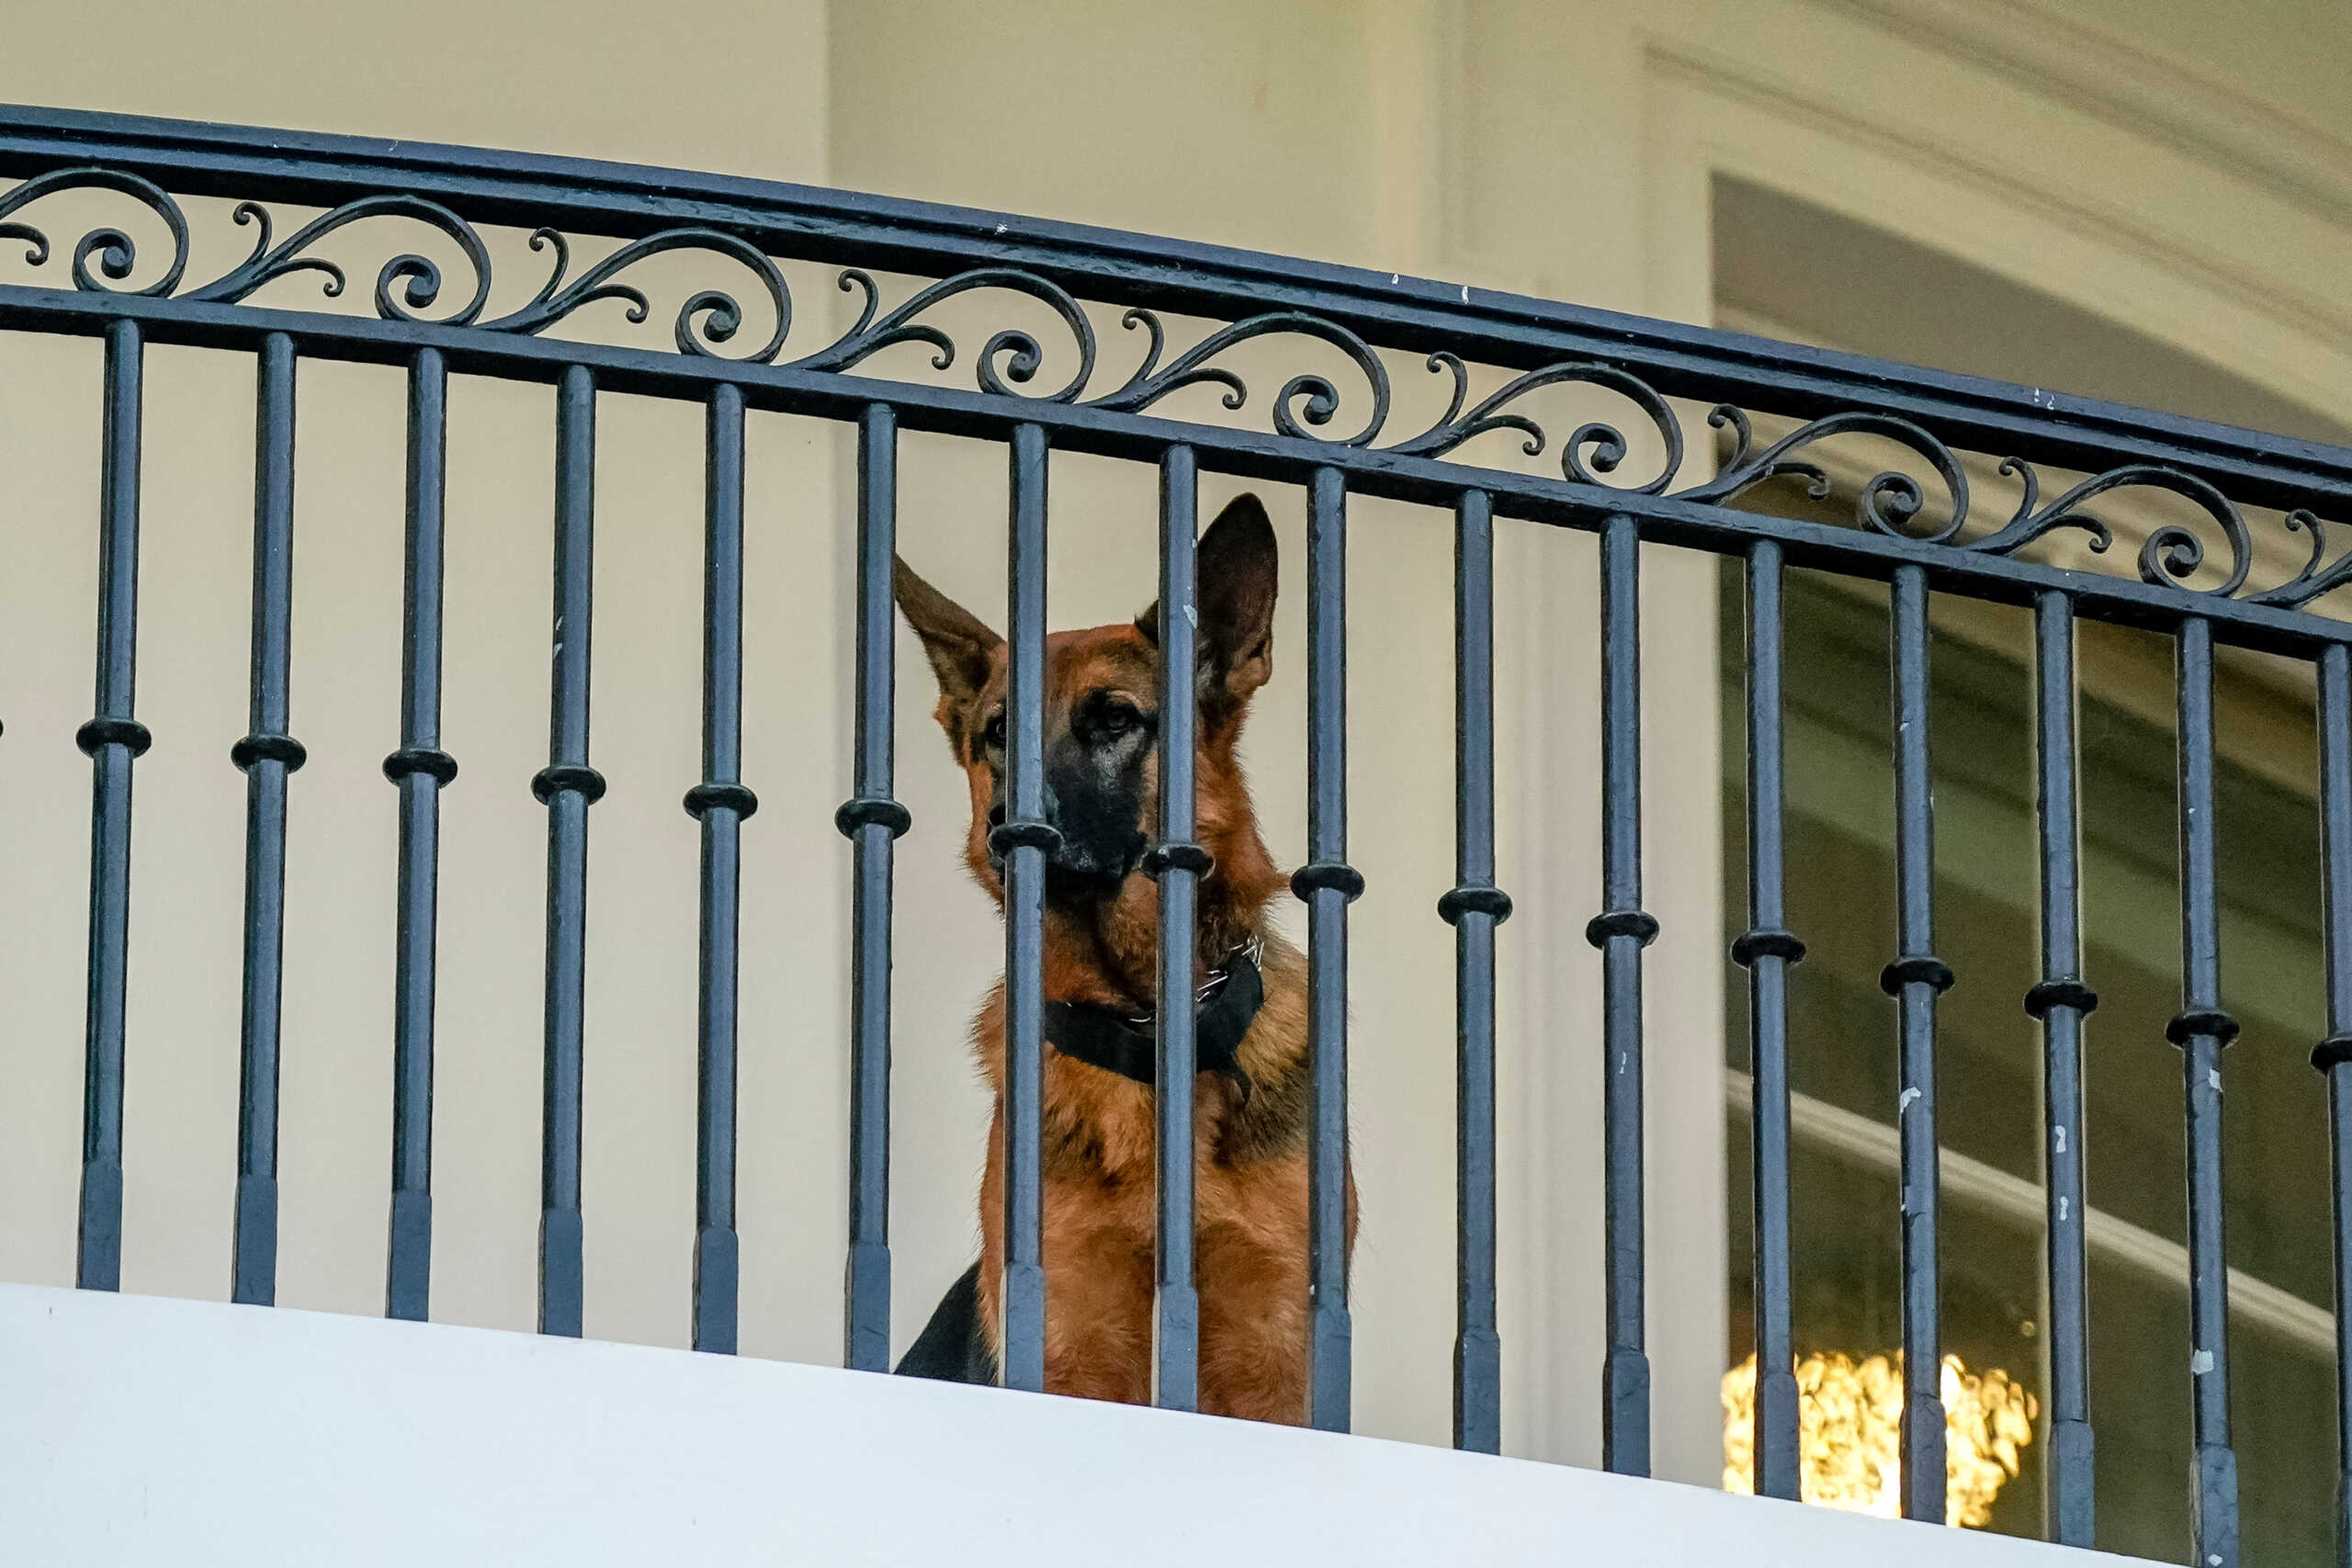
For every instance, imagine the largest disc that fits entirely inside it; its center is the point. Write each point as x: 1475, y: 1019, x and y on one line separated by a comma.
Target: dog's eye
x: 1114, y: 719
x: 993, y: 736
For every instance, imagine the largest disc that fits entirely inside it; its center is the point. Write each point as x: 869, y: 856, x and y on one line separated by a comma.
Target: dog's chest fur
x: 1099, y: 1165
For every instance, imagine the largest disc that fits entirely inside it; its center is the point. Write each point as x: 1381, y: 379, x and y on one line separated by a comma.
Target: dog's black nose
x: 1052, y: 803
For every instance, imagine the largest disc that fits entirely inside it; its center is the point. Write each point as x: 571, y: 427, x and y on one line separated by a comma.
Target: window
x: 1841, y: 898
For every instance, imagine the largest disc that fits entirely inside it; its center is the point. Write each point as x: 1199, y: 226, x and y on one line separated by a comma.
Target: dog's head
x: 1103, y: 708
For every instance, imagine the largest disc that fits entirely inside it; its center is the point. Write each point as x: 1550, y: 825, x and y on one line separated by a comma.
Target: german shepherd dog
x: 1101, y: 938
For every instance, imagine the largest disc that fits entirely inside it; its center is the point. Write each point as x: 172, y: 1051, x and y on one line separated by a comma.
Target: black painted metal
x: 1328, y: 884
x: 419, y: 770
x: 1315, y: 436
x: 2062, y: 1001
x: 872, y: 822
x: 567, y: 786
x: 1915, y: 979
x: 2333, y: 1056
x: 2202, y: 1030
x: 1025, y: 840
x: 266, y: 754
x: 1177, y: 862
x: 721, y: 802
x: 1415, y: 314
x: 1689, y: 519
x: 1620, y: 931
x: 112, y: 740
x: 1475, y: 908
x: 1767, y: 949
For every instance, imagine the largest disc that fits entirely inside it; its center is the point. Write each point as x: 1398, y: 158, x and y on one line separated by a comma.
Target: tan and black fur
x: 1101, y: 938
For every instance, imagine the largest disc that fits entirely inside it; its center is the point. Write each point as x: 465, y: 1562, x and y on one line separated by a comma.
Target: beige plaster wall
x: 738, y: 87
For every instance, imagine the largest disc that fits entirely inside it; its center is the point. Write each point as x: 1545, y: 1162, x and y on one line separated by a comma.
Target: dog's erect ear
x: 1235, y: 570
x: 1238, y: 574
x: 957, y: 642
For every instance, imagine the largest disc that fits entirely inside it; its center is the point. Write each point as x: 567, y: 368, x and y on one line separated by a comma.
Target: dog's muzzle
x: 1093, y: 854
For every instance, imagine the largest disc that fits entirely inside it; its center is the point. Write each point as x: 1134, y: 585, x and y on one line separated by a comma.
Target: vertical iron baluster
x: 1327, y: 883
x: 720, y: 802
x: 567, y: 786
x: 1178, y: 863
x: 1766, y: 950
x: 2062, y: 1001
x: 1023, y: 841
x: 112, y: 740
x: 266, y: 755
x: 872, y: 821
x: 1915, y: 980
x: 1620, y: 931
x: 2333, y: 1056
x: 2201, y: 1031
x: 419, y: 770
x: 1474, y: 908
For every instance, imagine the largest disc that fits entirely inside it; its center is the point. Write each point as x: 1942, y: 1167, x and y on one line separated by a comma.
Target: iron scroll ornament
x: 409, y: 285
x: 115, y: 251
x: 2168, y: 555
x: 416, y: 278
x: 719, y: 315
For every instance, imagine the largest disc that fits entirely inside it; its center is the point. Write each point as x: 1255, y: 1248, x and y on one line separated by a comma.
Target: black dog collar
x: 1104, y: 1037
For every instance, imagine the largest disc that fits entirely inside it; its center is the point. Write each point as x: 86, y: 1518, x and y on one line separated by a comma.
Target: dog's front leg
x: 1098, y: 1248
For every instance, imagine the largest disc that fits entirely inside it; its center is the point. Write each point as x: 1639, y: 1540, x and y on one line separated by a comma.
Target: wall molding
x: 2110, y: 222
x: 2109, y: 77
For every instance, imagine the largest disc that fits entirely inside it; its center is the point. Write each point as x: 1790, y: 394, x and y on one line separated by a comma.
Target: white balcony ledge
x: 139, y: 1430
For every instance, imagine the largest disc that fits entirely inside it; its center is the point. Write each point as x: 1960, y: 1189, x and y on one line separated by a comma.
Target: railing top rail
x: 1389, y: 309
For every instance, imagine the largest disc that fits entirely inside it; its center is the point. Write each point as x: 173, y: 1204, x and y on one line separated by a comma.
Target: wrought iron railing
x: 1924, y: 535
